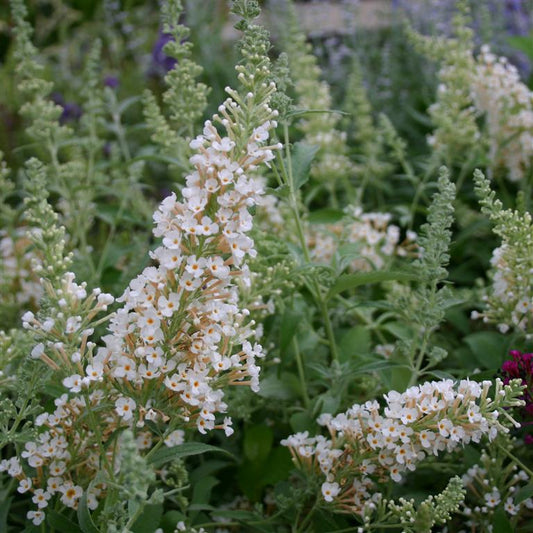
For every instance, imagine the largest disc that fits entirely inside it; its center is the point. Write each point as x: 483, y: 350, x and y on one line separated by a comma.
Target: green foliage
x: 348, y: 287
x: 48, y: 236
x: 453, y: 115
x: 185, y: 97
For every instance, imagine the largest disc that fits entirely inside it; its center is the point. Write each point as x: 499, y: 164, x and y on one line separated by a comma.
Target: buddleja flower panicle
x: 179, y: 336
x: 508, y: 302
x: 369, y: 445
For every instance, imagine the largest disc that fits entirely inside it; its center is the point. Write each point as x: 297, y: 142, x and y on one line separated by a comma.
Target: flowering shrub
x: 199, y: 270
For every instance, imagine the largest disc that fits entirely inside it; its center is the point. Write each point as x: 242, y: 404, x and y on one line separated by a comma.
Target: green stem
x: 420, y: 358
x: 96, y: 428
x: 418, y: 193
x: 511, y: 456
x: 317, y: 293
x: 301, y: 374
x: 308, y: 517
x: 156, y: 447
x: 136, y: 515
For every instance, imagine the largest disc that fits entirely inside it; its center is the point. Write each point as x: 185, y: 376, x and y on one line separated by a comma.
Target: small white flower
x: 73, y: 383
x: 493, y: 498
x: 40, y: 498
x: 36, y: 517
x: 175, y: 438
x: 37, y: 351
x: 24, y: 485
x: 330, y: 491
x: 125, y: 407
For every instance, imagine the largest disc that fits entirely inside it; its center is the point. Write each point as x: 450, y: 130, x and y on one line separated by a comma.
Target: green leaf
x: 200, y: 507
x: 350, y: 281
x: 4, y: 509
x: 488, y: 347
x: 301, y: 158
x: 206, y: 469
x: 84, y: 516
x: 523, y: 43
x: 301, y: 422
x: 165, y: 455
x: 471, y: 456
x: 300, y: 112
x: 289, y: 324
x: 281, y: 192
x: 245, y: 516
x: 61, y: 523
x: 127, y: 103
x: 170, y: 519
x: 399, y: 330
x: 278, y: 466
x: 440, y: 374
x: 257, y: 443
x: 400, y: 377
x: 356, y: 341
x: 329, y: 402
x: 501, y: 523
x: 250, y: 479
x: 327, y: 215
x: 149, y: 519
x: 277, y: 389
x: 523, y: 494
x: 202, y: 492
x: 377, y: 366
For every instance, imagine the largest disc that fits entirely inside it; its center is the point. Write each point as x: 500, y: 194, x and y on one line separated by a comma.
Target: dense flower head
x: 370, y: 445
x: 180, y: 328
x: 507, y: 103
x: 509, y: 301
x: 180, y: 335
x: 374, y: 237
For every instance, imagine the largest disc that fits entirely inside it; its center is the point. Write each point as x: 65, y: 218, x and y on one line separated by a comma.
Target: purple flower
x: 111, y: 81
x: 161, y: 63
x: 517, y: 17
x: 71, y: 110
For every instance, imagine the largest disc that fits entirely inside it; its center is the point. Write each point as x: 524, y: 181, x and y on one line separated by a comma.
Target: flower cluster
x: 372, y: 234
x: 64, y: 330
x: 180, y: 336
x: 456, y: 131
x: 508, y: 106
x: 180, y: 331
x: 510, y: 300
x: 17, y: 263
x: 521, y: 367
x: 493, y: 484
x: 369, y: 445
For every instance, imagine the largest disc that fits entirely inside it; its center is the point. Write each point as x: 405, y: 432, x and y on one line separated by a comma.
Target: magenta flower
x: 521, y: 367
